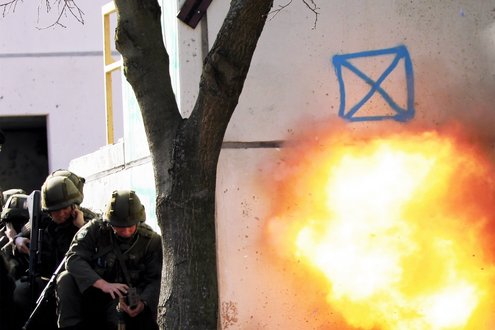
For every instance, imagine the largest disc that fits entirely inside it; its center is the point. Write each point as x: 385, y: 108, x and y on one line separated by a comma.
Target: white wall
x: 292, y: 77
x: 57, y: 72
x: 291, y: 84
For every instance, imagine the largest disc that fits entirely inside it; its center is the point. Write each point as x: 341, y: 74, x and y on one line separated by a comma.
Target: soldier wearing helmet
x: 61, y: 194
x: 62, y: 216
x: 108, y: 259
x: 14, y: 217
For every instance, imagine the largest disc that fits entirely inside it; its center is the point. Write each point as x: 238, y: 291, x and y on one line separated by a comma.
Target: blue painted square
x: 401, y: 61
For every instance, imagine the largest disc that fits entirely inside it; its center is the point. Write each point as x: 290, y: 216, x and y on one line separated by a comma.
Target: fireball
x: 399, y: 226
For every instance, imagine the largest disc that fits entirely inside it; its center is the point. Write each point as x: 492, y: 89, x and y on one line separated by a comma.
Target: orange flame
x: 398, y: 225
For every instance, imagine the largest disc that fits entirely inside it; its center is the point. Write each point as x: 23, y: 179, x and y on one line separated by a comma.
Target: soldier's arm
x: 80, y: 254
x: 153, y: 262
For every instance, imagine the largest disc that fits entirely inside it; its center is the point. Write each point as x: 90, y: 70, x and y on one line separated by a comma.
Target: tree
x: 185, y: 151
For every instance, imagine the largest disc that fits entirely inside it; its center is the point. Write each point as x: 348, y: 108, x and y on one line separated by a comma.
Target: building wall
x: 56, y: 72
x: 292, y: 84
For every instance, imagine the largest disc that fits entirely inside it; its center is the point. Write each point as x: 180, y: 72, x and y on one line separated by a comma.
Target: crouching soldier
x: 110, y: 259
x: 15, y: 217
x: 60, y: 217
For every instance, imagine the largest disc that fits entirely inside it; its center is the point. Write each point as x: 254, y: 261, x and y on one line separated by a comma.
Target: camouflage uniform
x: 92, y: 257
x: 14, y: 217
x: 58, y: 192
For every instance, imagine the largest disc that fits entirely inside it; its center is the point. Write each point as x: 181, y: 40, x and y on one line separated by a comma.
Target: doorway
x: 24, y: 153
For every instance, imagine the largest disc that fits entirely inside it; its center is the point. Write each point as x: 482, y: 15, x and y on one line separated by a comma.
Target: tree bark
x: 185, y: 152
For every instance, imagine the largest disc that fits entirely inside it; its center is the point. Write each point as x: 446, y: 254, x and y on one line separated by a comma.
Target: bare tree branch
x: 312, y: 6
x: 275, y: 12
x: 309, y: 3
x: 65, y: 8
x: 8, y: 6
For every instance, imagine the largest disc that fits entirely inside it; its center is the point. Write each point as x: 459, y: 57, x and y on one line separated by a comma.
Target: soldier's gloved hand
x: 10, y: 231
x: 132, y: 312
x: 114, y: 289
x: 22, y: 244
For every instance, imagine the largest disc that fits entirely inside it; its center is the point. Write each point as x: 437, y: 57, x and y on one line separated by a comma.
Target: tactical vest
x: 106, y: 263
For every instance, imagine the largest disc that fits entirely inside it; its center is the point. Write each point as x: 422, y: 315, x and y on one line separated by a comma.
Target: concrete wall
x: 293, y: 83
x: 57, y: 72
x: 106, y: 170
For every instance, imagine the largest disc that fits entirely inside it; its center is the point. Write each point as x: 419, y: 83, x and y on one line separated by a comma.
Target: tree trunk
x: 185, y: 151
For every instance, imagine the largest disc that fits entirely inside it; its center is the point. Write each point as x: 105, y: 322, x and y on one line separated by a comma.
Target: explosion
x: 400, y: 227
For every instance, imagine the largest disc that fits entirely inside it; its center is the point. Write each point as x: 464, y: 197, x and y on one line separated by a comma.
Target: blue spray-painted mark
x: 351, y: 113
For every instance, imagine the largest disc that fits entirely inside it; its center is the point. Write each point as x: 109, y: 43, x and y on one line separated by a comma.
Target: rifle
x: 45, y: 294
x: 120, y: 315
x: 2, y: 232
x: 34, y: 209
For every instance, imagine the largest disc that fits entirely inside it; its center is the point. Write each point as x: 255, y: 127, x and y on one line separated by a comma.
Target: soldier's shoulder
x: 90, y: 214
x: 95, y: 225
x: 146, y: 230
x: 93, y: 228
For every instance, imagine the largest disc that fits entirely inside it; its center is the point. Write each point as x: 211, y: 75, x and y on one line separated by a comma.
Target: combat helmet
x: 59, y: 192
x: 16, y: 209
x: 124, y: 209
x: 9, y: 192
x: 76, y: 179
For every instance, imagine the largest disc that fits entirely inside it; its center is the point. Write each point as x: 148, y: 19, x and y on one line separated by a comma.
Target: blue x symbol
x: 351, y: 112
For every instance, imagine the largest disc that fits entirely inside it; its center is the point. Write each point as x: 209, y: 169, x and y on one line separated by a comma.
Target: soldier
x: 15, y: 209
x: 108, y: 259
x: 61, y: 195
x: 51, y: 204
x: 4, y: 196
x: 14, y: 217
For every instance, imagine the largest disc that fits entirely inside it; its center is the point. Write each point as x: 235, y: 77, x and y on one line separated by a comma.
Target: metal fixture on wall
x: 192, y: 11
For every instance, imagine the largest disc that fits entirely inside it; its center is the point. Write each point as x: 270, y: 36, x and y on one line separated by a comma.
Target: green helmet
x: 76, y: 179
x: 124, y: 209
x: 9, y: 192
x: 59, y: 192
x: 16, y: 208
